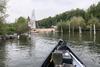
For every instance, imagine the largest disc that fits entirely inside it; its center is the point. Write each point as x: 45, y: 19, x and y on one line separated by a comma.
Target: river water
x: 32, y: 52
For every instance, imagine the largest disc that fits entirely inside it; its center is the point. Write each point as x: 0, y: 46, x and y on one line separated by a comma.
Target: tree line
x: 77, y: 19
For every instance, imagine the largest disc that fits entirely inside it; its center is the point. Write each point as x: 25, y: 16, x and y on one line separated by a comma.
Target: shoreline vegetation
x: 11, y: 30
x: 69, y: 21
x: 14, y: 30
x: 75, y: 19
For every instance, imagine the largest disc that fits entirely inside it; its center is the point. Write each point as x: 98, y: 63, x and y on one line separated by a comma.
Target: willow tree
x: 78, y: 21
x: 73, y: 23
x: 62, y: 26
x: 68, y: 23
x: 69, y: 27
x: 93, y: 21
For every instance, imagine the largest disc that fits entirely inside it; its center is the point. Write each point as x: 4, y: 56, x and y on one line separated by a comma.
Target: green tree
x: 73, y: 23
x: 2, y: 16
x: 48, y: 22
x: 93, y: 21
x: 97, y: 12
x: 62, y: 26
x: 21, y: 25
x: 77, y: 21
x: 91, y: 10
x: 69, y: 25
x: 10, y: 28
x: 84, y: 16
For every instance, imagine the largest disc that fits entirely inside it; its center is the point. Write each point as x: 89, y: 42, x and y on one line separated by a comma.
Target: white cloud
x: 43, y: 8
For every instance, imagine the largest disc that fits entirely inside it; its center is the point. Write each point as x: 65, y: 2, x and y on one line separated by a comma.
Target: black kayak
x: 62, y: 56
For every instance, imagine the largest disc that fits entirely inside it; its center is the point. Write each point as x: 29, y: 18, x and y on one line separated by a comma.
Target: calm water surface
x: 86, y: 46
x: 25, y: 52
x: 32, y: 52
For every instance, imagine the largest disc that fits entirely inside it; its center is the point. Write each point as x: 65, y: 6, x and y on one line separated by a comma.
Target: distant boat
x: 62, y: 56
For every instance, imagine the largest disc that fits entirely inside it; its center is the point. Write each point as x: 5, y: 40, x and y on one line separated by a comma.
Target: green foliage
x: 10, y: 28
x: 63, y: 26
x: 2, y: 10
x: 2, y: 29
x: 2, y: 16
x: 21, y: 25
x: 73, y: 22
x: 74, y: 18
x: 7, y: 29
x: 77, y: 17
x: 93, y: 21
x: 77, y: 21
x: 48, y: 22
x: 2, y: 6
x: 94, y: 10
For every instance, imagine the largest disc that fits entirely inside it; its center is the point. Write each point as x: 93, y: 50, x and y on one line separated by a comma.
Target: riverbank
x: 43, y: 30
x: 6, y: 37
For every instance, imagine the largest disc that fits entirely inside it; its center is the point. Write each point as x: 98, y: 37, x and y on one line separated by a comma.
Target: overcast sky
x: 43, y: 8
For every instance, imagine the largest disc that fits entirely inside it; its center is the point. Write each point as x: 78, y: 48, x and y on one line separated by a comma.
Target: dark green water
x: 31, y: 53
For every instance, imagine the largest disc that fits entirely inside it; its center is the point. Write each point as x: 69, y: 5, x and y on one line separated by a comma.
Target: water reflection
x: 30, y: 52
x: 86, y: 46
x: 26, y: 52
x: 2, y: 54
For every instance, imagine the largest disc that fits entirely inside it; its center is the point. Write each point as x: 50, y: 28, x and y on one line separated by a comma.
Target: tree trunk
x: 80, y: 30
x: 61, y: 29
x: 61, y: 32
x: 80, y: 33
x: 69, y: 32
x: 73, y: 30
x: 94, y: 34
x: 90, y: 32
x: 94, y: 39
x: 94, y: 29
x: 69, y: 28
